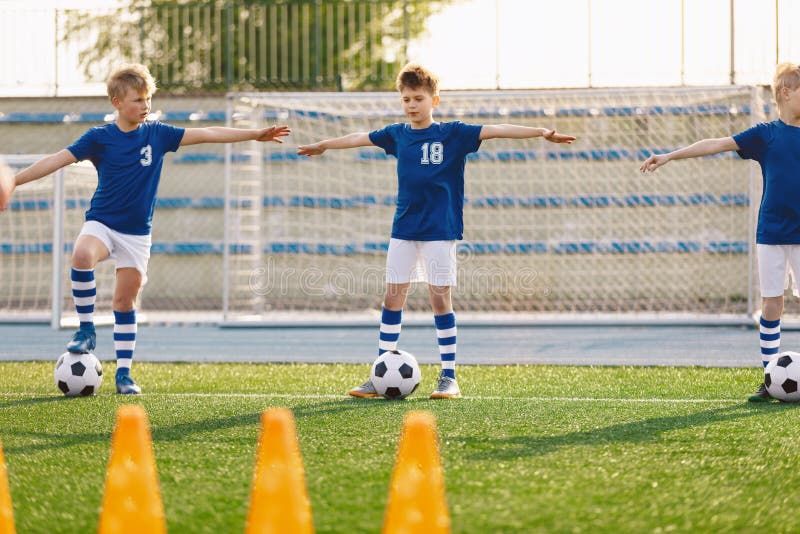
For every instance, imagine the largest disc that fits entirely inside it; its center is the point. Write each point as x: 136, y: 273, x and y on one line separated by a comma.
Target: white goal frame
x: 758, y: 101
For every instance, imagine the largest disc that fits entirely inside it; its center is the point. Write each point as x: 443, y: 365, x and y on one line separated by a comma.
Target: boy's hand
x: 653, y: 162
x: 7, y: 184
x: 273, y: 133
x: 554, y: 137
x: 310, y: 150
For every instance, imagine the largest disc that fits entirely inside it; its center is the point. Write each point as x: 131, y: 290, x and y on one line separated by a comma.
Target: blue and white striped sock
x: 446, y: 335
x: 770, y: 339
x: 84, y: 292
x: 124, y: 339
x: 390, y: 330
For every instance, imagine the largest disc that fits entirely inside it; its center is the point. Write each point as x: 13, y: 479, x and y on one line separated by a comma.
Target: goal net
x: 43, y: 218
x: 184, y: 272
x: 548, y: 228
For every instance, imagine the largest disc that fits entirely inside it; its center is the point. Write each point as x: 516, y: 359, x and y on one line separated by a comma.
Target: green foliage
x: 529, y: 448
x: 221, y: 45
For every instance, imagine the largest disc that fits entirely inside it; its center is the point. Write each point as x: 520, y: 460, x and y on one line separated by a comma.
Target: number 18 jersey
x: 430, y: 177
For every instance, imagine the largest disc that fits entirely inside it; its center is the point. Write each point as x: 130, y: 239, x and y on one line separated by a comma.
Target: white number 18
x: 435, y: 155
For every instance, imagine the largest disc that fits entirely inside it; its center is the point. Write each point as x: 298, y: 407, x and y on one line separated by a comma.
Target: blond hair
x: 415, y: 76
x: 134, y: 76
x: 786, y: 75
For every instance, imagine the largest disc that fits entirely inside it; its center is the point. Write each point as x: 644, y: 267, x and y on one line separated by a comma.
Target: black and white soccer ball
x: 782, y: 376
x: 395, y: 374
x: 78, y: 374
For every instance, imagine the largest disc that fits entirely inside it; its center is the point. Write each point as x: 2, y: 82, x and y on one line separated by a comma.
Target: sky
x: 509, y: 44
x: 545, y: 43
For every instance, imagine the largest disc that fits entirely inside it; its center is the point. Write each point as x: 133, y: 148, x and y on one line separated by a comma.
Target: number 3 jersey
x: 430, y: 177
x: 128, y: 171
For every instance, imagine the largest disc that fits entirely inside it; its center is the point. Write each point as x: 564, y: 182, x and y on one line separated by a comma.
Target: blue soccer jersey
x: 128, y: 170
x: 776, y: 146
x: 430, y: 177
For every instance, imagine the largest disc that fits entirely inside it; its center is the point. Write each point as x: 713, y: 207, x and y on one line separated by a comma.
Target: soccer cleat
x: 364, y: 391
x: 82, y: 342
x: 762, y: 395
x: 447, y: 388
x: 126, y: 386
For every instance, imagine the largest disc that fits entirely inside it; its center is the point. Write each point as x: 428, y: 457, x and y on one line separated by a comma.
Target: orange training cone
x: 6, y: 511
x: 132, y: 500
x: 416, y: 496
x: 279, y: 500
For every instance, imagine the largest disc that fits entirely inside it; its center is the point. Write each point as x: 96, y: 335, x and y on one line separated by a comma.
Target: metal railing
x: 300, y: 44
x: 290, y: 45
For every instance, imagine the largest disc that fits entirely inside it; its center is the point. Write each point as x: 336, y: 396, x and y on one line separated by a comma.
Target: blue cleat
x: 126, y: 385
x: 82, y: 342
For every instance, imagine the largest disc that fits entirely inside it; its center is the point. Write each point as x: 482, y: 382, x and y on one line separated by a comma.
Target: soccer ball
x: 78, y: 374
x: 782, y: 376
x: 395, y: 374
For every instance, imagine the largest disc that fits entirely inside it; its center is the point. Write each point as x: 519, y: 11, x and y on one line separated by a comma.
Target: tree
x: 268, y: 44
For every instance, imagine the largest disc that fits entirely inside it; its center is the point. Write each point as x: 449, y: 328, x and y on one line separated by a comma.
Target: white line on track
x: 465, y: 398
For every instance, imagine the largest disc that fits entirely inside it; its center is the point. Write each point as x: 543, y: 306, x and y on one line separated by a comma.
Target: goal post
x: 560, y: 233
x: 563, y: 230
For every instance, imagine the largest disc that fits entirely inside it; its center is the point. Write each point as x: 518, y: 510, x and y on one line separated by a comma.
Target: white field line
x: 464, y: 398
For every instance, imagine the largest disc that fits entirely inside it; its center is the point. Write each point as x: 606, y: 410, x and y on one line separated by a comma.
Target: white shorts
x: 125, y: 249
x: 433, y: 262
x: 772, y: 273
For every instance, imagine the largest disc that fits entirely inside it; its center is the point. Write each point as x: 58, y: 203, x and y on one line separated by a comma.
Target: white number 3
x: 147, y: 152
x: 435, y: 155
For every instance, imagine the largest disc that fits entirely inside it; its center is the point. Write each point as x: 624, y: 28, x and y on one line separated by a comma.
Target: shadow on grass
x: 179, y: 431
x: 34, y: 400
x: 644, y: 431
x: 160, y: 433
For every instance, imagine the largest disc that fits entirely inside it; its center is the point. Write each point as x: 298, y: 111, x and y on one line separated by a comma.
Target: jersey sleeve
x: 470, y: 136
x: 753, y: 142
x: 384, y: 138
x: 86, y: 146
x: 172, y: 136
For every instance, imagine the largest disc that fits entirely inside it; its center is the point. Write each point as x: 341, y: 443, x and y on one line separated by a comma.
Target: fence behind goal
x: 548, y: 228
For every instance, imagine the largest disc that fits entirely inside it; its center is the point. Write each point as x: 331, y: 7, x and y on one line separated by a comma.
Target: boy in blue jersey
x: 128, y: 155
x: 428, y: 220
x: 776, y: 147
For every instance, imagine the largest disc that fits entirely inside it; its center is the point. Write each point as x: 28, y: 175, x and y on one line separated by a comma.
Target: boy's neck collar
x: 417, y: 126
x: 791, y: 122
x: 787, y: 118
x: 126, y: 129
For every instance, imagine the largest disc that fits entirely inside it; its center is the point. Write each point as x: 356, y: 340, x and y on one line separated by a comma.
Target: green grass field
x: 529, y: 448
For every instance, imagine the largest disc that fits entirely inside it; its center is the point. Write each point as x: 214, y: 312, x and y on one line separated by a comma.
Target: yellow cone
x: 6, y: 511
x: 416, y: 496
x: 132, y: 500
x: 279, y: 500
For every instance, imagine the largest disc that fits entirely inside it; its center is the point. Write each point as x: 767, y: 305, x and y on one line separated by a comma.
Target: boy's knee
x: 440, y: 301
x: 124, y: 303
x: 441, y: 308
x: 772, y: 308
x: 82, y: 259
x: 394, y: 302
x: 394, y: 298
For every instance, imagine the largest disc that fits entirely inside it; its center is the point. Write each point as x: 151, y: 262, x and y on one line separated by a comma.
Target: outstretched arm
x: 6, y: 184
x: 352, y: 140
x: 220, y: 134
x: 512, y: 131
x: 706, y: 147
x: 45, y: 166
